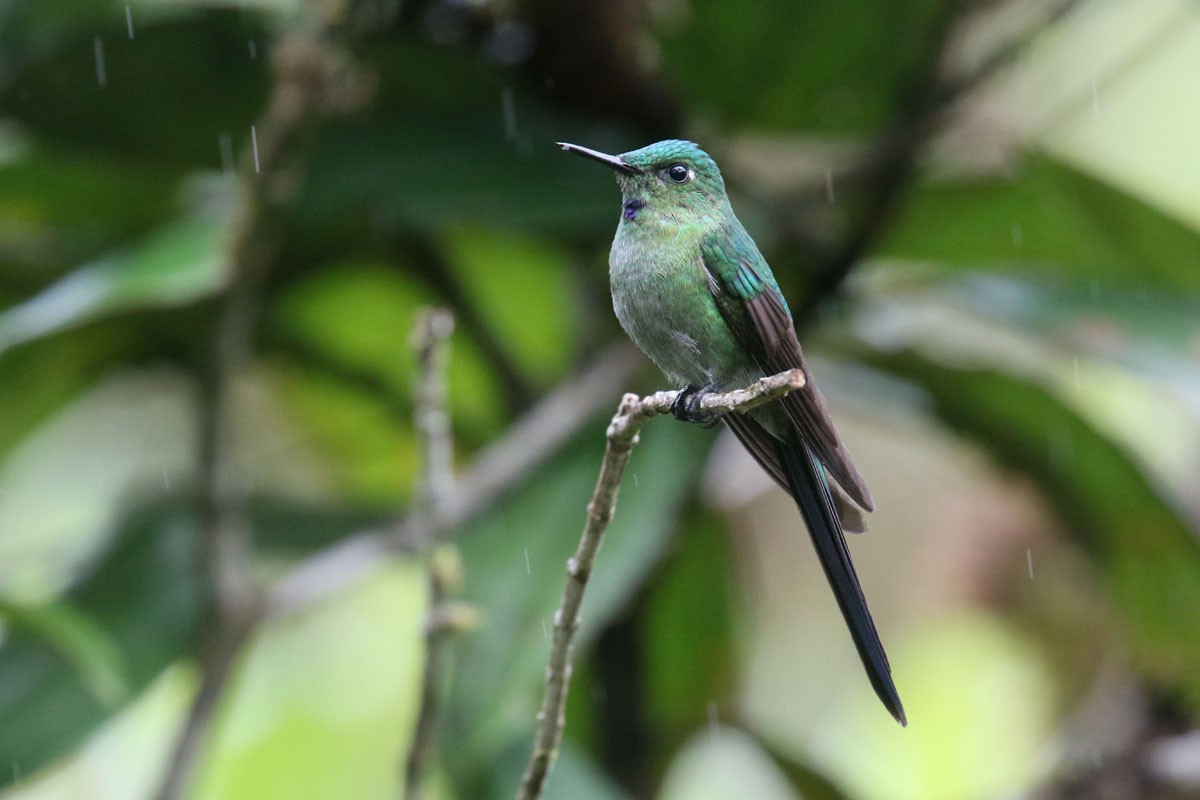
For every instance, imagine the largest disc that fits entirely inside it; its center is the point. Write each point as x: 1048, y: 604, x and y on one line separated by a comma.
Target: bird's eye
x: 679, y: 173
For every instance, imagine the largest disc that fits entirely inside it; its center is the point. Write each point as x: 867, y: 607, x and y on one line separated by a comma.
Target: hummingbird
x: 693, y: 292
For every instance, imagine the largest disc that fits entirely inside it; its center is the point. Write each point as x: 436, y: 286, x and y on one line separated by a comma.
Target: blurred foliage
x: 1029, y: 285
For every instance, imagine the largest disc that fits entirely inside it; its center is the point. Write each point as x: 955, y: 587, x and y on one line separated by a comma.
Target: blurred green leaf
x: 166, y: 97
x: 1047, y: 214
x: 50, y: 372
x: 455, y: 162
x: 175, y: 266
x: 323, y: 703
x: 77, y: 638
x: 1149, y: 556
x: 515, y: 567
x: 689, y: 636
x: 286, y: 526
x: 382, y: 302
x: 59, y: 207
x: 144, y: 595
x: 843, y: 78
x: 575, y: 776
x: 523, y: 291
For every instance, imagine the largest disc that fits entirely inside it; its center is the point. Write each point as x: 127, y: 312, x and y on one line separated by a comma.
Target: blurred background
x: 219, y: 222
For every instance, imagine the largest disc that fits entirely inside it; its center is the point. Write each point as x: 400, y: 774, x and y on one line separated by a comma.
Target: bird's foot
x: 686, y: 407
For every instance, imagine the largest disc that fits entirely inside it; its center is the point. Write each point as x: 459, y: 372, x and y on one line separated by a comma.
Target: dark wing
x: 753, y: 307
x: 761, y: 445
x: 810, y: 453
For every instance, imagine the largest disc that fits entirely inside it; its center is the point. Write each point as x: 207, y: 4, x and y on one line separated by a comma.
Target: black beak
x: 612, y: 161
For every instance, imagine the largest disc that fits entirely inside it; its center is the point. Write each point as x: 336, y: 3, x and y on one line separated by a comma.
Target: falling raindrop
x: 635, y: 480
x: 253, y: 49
x: 829, y: 196
x: 1029, y: 559
x: 254, y: 145
x: 1018, y: 235
x: 1075, y: 366
x: 528, y: 570
x: 508, y: 109
x: 545, y: 630
x: 101, y: 67
x: 166, y: 480
x: 129, y: 20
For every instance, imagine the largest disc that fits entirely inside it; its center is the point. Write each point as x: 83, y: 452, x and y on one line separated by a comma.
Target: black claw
x: 686, y: 407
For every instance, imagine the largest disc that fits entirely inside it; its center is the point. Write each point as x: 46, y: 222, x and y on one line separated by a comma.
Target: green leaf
x: 1149, y: 556
x: 144, y: 598
x: 515, y: 571
x: 167, y: 96
x: 175, y: 266
x: 323, y: 704
x: 1048, y: 218
x: 383, y: 303
x: 522, y: 288
x: 60, y: 207
x: 50, y: 373
x: 453, y: 163
x: 574, y: 776
x: 688, y: 665
x: 823, y: 66
x: 77, y: 638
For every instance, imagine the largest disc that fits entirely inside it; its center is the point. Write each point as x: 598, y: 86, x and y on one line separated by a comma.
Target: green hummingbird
x: 692, y: 290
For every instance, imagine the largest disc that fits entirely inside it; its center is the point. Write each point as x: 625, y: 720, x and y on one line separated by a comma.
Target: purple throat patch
x: 631, y: 209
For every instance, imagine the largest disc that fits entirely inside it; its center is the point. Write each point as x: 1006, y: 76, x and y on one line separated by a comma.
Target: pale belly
x: 667, y: 310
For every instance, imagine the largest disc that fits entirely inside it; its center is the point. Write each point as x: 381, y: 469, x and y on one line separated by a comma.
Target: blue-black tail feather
x: 808, y: 485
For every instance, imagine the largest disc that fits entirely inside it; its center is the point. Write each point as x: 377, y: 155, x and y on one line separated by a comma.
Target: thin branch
x: 632, y: 413
x: 889, y: 167
x: 217, y: 671
x: 430, y: 418
x: 432, y: 423
x: 503, y: 464
x: 516, y: 391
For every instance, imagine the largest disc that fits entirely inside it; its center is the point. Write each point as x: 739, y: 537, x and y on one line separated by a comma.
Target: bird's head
x: 670, y: 176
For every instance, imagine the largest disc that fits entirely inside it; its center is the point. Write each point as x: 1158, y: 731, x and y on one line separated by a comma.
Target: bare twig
x: 217, y: 671
x: 430, y: 418
x: 632, y: 413
x: 503, y: 464
x: 432, y: 423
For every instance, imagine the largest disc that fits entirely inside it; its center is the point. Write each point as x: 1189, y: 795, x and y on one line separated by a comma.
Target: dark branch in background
x: 889, y: 167
x: 314, y: 361
x: 431, y: 265
x: 533, y: 438
x: 623, y: 728
x: 311, y: 77
x: 591, y: 56
x: 632, y: 414
x: 432, y: 423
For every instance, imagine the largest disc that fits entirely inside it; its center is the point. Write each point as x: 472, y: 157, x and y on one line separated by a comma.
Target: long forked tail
x: 808, y: 485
